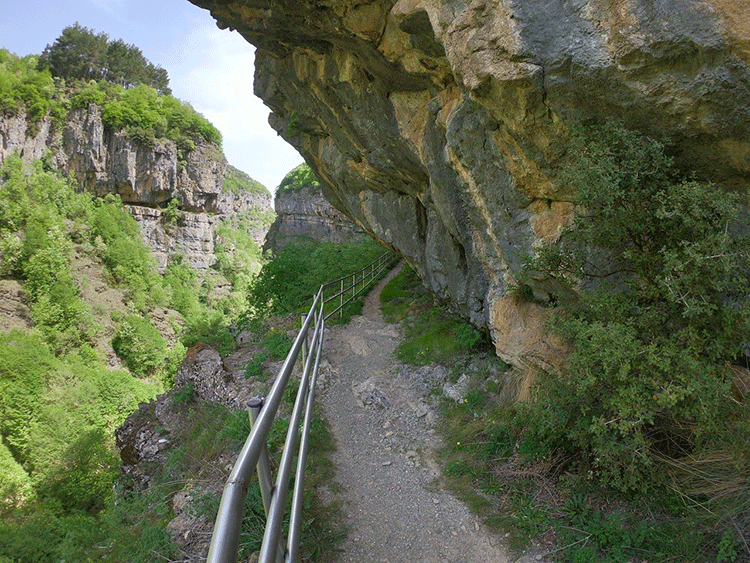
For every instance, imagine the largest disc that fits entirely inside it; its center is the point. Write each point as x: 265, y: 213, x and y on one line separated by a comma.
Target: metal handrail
x: 356, y: 286
x: 254, y: 455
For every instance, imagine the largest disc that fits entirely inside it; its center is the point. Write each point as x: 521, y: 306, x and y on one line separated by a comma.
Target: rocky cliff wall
x: 106, y: 161
x: 304, y: 212
x: 438, y: 125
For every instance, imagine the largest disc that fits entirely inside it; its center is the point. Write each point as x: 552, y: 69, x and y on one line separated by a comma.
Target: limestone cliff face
x: 304, y: 212
x: 106, y: 161
x: 438, y: 125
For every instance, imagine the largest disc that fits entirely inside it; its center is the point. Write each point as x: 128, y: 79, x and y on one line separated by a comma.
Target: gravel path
x: 394, y: 507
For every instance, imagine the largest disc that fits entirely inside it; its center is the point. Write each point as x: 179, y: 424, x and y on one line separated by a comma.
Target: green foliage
x: 15, y: 485
x: 80, y: 53
x: 25, y: 365
x: 433, y: 336
x: 300, y: 177
x: 132, y: 93
x: 287, y: 282
x: 172, y: 213
x: 147, y: 115
x: 397, y: 297
x: 123, y: 253
x: 85, y: 473
x: 137, y: 343
x: 238, y: 256
x: 238, y: 182
x: 210, y: 328
x: 22, y: 86
x: 647, y: 373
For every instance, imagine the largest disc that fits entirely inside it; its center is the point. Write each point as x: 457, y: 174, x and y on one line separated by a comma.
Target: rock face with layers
x: 305, y: 213
x: 438, y: 125
x: 146, y: 178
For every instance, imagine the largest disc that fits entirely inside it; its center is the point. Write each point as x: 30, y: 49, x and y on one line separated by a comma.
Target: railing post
x: 254, y: 405
x: 265, y: 480
x: 341, y: 300
x: 304, y: 342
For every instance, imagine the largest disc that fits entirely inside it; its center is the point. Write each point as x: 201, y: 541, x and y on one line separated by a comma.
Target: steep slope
x: 439, y: 125
x: 146, y: 177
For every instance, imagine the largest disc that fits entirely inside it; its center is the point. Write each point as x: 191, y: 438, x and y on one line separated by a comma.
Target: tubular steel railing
x: 254, y: 454
x: 350, y: 286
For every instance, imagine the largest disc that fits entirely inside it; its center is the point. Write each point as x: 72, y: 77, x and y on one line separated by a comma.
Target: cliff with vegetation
x: 303, y: 212
x: 98, y: 310
x: 180, y: 190
x: 441, y: 127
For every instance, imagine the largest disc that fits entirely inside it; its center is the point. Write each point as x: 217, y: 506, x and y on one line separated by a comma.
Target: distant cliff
x: 438, y: 126
x: 303, y: 212
x: 147, y: 177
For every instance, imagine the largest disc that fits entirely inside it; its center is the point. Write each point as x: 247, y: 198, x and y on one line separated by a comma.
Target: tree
x: 80, y: 53
x: 660, y: 268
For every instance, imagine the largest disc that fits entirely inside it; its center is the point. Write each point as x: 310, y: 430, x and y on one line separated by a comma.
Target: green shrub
x: 287, y: 282
x: 25, y: 365
x: 211, y: 328
x: 22, y: 86
x: 647, y: 374
x: 137, y: 343
x: 37, y: 539
x: 15, y: 484
x: 85, y: 473
x: 435, y: 337
x: 300, y: 177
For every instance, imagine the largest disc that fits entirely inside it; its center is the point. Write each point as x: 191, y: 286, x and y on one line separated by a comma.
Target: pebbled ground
x: 394, y: 507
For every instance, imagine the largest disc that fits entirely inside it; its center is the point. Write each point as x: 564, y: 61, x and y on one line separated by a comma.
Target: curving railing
x: 352, y: 285
x: 263, y: 411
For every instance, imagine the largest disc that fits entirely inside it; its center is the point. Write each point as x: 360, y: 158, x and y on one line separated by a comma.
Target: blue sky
x: 208, y: 67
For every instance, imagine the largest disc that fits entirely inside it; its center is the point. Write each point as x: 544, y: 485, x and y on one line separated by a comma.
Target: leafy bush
x: 647, y: 374
x: 22, y: 86
x: 287, y: 282
x: 140, y: 346
x: 25, y: 365
x: 300, y: 177
x: 210, y: 328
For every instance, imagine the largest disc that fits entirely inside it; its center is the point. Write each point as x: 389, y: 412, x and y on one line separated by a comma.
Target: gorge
x: 440, y: 126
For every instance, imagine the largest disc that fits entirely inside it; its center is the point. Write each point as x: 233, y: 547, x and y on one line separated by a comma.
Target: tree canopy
x: 81, y: 53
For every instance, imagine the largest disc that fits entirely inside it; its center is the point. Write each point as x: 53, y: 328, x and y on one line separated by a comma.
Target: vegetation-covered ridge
x: 300, y: 177
x: 237, y: 182
x: 94, y: 298
x: 53, y: 85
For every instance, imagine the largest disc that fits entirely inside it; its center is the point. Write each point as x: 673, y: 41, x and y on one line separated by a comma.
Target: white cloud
x: 213, y: 69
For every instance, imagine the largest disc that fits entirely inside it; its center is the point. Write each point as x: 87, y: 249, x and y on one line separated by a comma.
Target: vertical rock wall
x: 146, y: 178
x: 438, y: 125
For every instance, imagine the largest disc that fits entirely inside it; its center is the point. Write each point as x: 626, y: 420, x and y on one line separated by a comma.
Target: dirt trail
x: 394, y: 507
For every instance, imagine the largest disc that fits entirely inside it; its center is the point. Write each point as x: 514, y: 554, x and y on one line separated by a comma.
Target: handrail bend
x: 226, y: 534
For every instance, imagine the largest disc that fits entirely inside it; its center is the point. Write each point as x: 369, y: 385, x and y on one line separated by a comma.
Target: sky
x: 210, y: 68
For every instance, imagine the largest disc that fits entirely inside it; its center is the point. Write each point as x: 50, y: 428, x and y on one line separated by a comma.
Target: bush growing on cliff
x: 648, y: 375
x: 22, y: 86
x: 300, y: 177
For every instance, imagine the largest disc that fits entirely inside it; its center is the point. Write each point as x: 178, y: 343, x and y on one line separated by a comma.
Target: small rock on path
x: 393, y: 505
